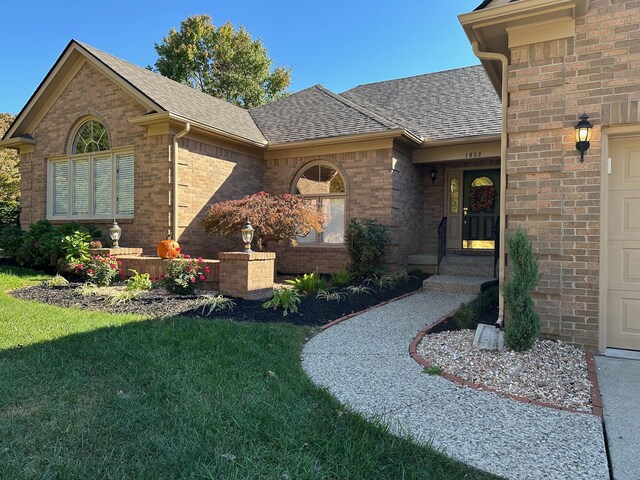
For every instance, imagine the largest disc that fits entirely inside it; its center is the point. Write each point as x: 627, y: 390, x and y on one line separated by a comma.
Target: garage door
x: 623, y: 302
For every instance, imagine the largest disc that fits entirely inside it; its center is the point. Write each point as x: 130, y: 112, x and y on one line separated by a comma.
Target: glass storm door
x: 481, y: 190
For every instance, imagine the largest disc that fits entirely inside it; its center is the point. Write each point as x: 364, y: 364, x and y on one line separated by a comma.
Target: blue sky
x: 338, y: 44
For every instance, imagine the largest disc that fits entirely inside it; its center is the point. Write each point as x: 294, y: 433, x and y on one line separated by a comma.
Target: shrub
x: 308, y: 283
x: 99, y: 270
x: 331, y: 296
x: 341, y: 278
x: 95, y: 244
x: 523, y: 325
x: 138, y: 281
x: 273, y: 218
x: 366, y: 242
x: 9, y: 214
x: 10, y: 241
x: 464, y: 317
x: 76, y: 248
x: 486, y: 300
x: 285, y: 298
x: 183, y: 275
x: 214, y: 303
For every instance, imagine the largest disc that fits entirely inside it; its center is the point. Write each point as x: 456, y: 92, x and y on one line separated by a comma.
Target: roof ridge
x: 359, y: 108
x: 412, y: 76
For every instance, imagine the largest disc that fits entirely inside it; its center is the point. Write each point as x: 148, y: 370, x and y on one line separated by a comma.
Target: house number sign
x: 473, y: 155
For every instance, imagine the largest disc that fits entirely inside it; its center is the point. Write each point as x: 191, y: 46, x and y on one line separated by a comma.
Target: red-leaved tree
x: 274, y: 218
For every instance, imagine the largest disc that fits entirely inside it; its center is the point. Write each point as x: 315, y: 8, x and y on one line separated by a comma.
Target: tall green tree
x: 223, y: 62
x: 9, y: 161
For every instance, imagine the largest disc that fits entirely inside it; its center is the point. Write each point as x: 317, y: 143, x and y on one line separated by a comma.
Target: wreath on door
x: 482, y: 198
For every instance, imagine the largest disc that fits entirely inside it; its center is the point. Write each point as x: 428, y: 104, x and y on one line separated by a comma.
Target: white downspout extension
x: 503, y: 167
x: 174, y: 175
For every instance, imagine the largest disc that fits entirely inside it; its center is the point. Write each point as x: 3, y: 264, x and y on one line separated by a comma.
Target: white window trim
x: 80, y: 156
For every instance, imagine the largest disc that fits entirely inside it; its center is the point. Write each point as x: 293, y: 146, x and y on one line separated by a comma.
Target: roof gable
x: 316, y: 113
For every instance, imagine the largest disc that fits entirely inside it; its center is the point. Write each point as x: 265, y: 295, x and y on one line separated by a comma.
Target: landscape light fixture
x: 433, y: 174
x: 583, y: 135
x: 115, y: 232
x: 247, y: 236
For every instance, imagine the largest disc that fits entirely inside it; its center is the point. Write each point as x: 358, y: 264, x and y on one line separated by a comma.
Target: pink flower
x: 90, y: 271
x: 153, y: 280
x: 200, y: 260
x: 113, y: 267
x: 79, y: 267
x: 193, y: 279
x: 187, y: 256
x: 178, y: 249
x: 207, y: 269
x: 107, y: 255
x: 287, y: 196
x: 202, y: 277
x: 119, y: 262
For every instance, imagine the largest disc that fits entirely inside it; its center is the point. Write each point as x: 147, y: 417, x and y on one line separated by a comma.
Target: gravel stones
x: 551, y: 372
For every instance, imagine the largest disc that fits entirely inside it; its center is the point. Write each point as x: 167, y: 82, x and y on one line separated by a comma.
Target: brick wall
x: 550, y: 193
x: 91, y: 93
x: 368, y: 177
x: 209, y: 173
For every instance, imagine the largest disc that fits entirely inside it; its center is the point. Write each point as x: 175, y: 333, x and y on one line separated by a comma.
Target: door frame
x: 458, y: 172
x: 608, y: 134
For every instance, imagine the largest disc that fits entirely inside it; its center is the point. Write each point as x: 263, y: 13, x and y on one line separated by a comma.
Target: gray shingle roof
x: 487, y: 3
x: 439, y: 106
x: 183, y: 100
x: 316, y: 113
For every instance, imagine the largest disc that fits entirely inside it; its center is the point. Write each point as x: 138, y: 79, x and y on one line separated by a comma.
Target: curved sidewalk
x: 364, y: 362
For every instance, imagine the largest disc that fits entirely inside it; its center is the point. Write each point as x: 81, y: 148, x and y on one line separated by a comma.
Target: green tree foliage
x: 9, y: 160
x: 222, y: 62
x: 523, y: 326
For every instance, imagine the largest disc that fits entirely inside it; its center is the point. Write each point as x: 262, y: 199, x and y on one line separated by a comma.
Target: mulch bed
x: 312, y: 311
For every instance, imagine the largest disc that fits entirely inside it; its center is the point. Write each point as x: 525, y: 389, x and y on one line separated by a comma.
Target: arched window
x: 92, y: 136
x: 323, y: 185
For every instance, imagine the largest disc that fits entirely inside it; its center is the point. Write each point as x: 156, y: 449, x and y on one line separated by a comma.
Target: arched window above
x: 323, y: 185
x: 91, y: 137
x: 482, y: 182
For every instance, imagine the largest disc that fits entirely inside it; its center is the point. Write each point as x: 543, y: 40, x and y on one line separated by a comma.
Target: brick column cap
x: 246, y: 256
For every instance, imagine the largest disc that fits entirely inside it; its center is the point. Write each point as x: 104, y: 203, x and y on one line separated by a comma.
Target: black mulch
x: 312, y: 311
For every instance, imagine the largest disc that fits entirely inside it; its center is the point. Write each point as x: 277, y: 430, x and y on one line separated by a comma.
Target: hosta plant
x: 308, y: 283
x: 285, y: 298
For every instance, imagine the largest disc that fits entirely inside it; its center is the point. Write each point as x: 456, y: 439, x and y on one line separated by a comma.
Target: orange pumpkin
x: 168, y: 249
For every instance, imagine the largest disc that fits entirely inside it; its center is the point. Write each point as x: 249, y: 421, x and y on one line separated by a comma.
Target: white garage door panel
x: 623, y: 216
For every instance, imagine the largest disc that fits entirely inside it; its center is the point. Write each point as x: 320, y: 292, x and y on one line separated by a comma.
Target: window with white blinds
x: 99, y: 186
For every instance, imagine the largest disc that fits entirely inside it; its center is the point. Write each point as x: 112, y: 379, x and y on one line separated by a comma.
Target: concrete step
x: 470, y: 284
x: 467, y: 265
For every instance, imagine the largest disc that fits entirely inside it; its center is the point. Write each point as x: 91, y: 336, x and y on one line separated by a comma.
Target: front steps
x: 467, y: 273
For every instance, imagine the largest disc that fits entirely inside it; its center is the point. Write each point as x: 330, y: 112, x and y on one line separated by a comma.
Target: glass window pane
x: 102, y: 190
x: 92, y: 136
x: 319, y: 180
x: 482, y: 182
x: 60, y: 194
x: 312, y: 236
x: 333, y: 209
x: 454, y: 205
x: 80, y: 187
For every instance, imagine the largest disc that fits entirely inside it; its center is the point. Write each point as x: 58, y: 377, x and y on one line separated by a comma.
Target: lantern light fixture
x: 433, y: 174
x: 583, y: 135
x: 115, y: 232
x: 247, y: 236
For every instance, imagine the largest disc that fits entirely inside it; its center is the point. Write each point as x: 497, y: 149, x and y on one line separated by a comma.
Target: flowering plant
x: 183, y: 275
x: 100, y: 270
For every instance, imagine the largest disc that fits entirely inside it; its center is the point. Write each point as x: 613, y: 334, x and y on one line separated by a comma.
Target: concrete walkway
x: 619, y: 381
x: 364, y: 362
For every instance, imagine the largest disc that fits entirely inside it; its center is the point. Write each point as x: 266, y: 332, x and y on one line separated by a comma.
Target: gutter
x: 174, y: 175
x: 493, y: 56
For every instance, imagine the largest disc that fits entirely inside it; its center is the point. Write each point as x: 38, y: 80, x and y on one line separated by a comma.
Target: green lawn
x: 93, y: 395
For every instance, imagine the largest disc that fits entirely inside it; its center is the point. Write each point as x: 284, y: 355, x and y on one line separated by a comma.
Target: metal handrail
x: 442, y: 242
x: 496, y: 250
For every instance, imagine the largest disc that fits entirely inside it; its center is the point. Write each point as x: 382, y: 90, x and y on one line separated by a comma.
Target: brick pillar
x: 247, y: 275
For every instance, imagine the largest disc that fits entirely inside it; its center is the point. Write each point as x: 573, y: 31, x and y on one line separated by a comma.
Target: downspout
x: 174, y: 175
x: 503, y: 166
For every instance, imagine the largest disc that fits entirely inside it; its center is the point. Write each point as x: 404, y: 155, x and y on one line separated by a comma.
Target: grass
x: 93, y: 395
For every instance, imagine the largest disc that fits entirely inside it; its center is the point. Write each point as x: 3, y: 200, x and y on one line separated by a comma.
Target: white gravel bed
x: 551, y: 372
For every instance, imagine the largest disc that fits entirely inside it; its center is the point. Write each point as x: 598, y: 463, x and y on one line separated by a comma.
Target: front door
x: 623, y: 216
x: 481, y: 189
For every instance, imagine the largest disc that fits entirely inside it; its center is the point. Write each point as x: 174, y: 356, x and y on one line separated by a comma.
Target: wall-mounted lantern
x: 247, y: 236
x: 433, y: 174
x: 583, y: 135
x: 115, y: 232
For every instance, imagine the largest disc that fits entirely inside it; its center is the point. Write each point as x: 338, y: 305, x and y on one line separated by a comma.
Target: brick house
x: 450, y: 161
